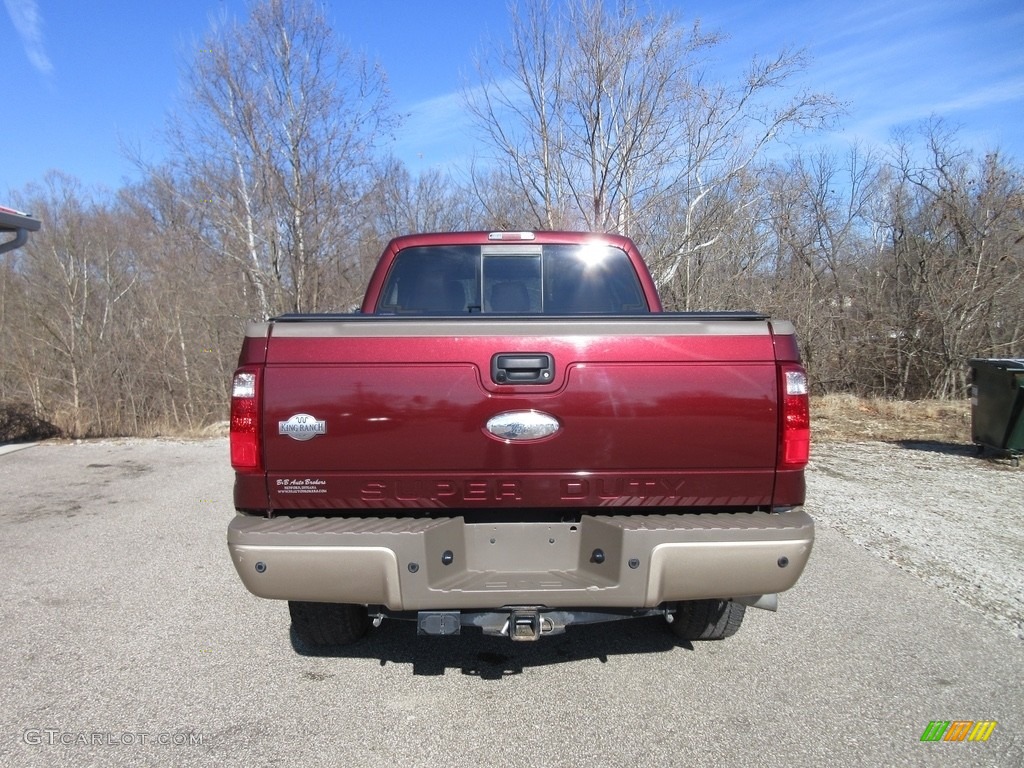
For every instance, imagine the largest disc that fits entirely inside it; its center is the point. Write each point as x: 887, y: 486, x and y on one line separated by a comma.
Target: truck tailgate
x: 372, y: 412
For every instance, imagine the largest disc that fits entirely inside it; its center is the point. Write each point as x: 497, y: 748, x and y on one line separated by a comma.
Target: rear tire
x: 707, y: 619
x: 323, y: 624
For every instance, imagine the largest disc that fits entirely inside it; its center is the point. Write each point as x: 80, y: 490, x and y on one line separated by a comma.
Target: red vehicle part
x: 480, y: 448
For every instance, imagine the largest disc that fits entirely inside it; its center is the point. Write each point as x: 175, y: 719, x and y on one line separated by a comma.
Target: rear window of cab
x: 519, y: 279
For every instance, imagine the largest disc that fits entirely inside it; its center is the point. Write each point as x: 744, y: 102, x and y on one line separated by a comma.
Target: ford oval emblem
x: 522, y: 425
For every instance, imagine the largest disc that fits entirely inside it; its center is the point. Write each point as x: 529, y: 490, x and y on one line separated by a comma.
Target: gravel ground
x: 936, y: 510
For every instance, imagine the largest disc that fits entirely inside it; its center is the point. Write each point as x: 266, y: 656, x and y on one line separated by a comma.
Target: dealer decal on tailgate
x: 301, y: 485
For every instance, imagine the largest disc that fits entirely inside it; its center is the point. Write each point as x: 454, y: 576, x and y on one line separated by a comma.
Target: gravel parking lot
x: 129, y: 639
x: 936, y: 510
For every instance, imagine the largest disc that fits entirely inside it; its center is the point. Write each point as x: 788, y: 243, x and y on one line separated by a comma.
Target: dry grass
x: 167, y: 428
x: 847, y: 418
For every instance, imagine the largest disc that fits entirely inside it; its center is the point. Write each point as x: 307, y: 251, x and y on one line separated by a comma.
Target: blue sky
x: 83, y: 77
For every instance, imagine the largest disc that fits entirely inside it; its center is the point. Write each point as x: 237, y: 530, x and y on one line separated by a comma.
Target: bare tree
x: 76, y: 283
x: 955, y: 265
x: 818, y: 237
x: 607, y: 119
x: 276, y: 145
x: 430, y: 202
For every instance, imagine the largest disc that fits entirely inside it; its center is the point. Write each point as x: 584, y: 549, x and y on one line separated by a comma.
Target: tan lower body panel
x: 636, y: 561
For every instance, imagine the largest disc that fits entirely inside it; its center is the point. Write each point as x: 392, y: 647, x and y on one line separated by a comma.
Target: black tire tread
x: 327, y: 624
x: 707, y: 619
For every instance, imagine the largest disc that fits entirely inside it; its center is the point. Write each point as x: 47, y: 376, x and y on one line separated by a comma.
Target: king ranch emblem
x: 302, y: 426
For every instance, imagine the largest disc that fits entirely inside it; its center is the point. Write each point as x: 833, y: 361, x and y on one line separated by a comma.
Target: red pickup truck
x: 513, y: 435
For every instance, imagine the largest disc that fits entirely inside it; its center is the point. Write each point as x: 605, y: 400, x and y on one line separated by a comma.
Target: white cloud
x: 985, y: 96
x: 440, y: 131
x: 29, y: 24
x: 435, y: 132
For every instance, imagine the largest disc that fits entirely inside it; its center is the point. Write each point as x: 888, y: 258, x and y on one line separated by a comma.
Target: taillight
x: 795, y: 432
x: 245, y: 420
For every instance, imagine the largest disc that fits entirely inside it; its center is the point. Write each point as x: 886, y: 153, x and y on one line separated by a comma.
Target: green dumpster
x: 997, y: 404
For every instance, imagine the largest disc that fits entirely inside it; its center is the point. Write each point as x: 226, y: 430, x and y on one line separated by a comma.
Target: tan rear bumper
x: 636, y: 561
